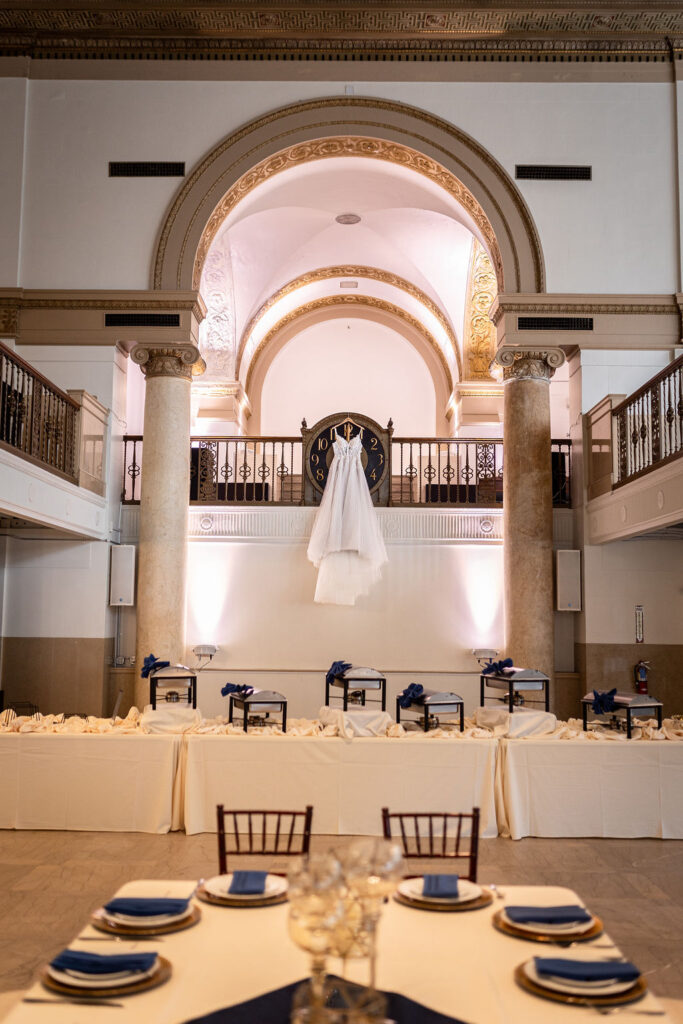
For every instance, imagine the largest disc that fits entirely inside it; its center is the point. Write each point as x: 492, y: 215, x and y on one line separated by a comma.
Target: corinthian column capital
x: 528, y: 364
x: 182, y: 361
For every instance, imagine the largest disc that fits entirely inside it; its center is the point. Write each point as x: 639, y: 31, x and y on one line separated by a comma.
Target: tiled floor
x: 50, y: 881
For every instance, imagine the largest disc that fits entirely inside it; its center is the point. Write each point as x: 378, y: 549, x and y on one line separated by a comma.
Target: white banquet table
x: 87, y: 782
x: 592, y: 787
x: 346, y: 781
x: 455, y: 963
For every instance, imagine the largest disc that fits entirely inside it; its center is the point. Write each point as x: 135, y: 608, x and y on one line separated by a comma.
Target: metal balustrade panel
x: 648, y: 425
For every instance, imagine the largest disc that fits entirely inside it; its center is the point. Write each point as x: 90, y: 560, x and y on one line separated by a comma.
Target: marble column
x: 165, y: 493
x: 527, y: 505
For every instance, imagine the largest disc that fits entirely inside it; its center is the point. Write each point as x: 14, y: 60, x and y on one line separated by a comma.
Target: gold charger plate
x: 76, y: 992
x: 100, y: 921
x: 558, y: 939
x: 484, y: 900
x: 232, y: 901
x: 631, y: 995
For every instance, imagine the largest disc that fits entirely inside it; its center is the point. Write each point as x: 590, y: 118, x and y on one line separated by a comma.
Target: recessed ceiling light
x: 347, y: 218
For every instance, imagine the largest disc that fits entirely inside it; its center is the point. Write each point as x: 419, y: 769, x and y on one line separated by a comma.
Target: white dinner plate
x: 575, y: 988
x: 146, y: 921
x: 219, y: 885
x: 412, y: 889
x: 575, y: 928
x: 77, y: 979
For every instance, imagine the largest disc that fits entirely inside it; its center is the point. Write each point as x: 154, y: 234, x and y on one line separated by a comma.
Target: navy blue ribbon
x: 151, y: 663
x: 496, y: 667
x: 604, y: 701
x: 238, y: 689
x: 411, y: 693
x: 337, y: 668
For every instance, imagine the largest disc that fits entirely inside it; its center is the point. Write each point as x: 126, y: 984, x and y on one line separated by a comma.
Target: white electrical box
x: 568, y: 581
x: 122, y: 575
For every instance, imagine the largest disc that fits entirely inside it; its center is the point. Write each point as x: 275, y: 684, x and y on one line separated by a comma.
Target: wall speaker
x: 122, y: 575
x: 568, y: 581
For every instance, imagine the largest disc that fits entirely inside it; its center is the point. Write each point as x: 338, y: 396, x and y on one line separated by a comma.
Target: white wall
x: 56, y: 588
x: 433, y: 604
x: 349, y: 364
x: 84, y: 230
x: 617, y: 372
x: 13, y: 102
x: 647, y: 571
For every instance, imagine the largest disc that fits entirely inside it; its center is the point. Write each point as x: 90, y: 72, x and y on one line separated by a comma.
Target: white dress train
x: 346, y: 544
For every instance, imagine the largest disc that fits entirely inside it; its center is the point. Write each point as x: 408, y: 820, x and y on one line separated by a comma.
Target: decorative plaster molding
x: 394, y: 30
x: 526, y: 364
x: 350, y: 270
x: 24, y: 298
x: 330, y: 148
x: 158, y: 361
x: 399, y: 526
x: 625, y: 305
x: 480, y: 333
x: 640, y: 507
x: 331, y: 301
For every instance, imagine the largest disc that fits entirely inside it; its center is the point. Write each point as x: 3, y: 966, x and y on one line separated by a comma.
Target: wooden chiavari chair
x: 437, y: 835
x: 262, y: 833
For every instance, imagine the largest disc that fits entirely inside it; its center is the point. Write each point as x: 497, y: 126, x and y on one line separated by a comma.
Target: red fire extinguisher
x: 640, y: 676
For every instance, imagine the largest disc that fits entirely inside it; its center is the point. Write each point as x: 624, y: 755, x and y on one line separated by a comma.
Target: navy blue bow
x: 152, y: 662
x: 337, y: 668
x: 496, y: 667
x: 242, y: 689
x: 411, y: 692
x: 604, y: 701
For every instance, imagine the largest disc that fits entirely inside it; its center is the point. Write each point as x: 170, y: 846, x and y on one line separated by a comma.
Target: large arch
x: 365, y: 307
x: 350, y: 126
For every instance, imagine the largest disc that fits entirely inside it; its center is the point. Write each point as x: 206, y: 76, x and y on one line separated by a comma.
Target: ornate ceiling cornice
x: 330, y: 148
x: 346, y: 29
x: 357, y: 301
x: 351, y: 270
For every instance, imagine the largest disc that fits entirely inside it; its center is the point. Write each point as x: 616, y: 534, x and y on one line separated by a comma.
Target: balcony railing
x: 648, y: 425
x: 443, y: 472
x: 37, y: 420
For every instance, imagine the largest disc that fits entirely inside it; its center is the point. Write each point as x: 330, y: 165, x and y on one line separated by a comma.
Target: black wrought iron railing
x: 648, y: 425
x: 425, y: 472
x: 37, y: 420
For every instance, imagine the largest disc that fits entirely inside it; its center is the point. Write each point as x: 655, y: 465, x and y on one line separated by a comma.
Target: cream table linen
x: 346, y: 782
x: 88, y: 782
x: 457, y: 964
x: 595, y: 787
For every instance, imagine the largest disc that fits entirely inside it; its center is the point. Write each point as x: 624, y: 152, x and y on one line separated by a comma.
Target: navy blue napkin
x: 443, y: 886
x: 411, y: 692
x: 337, y: 668
x: 151, y: 663
x: 275, y: 1007
x: 603, y: 701
x: 239, y: 689
x: 548, y: 915
x: 145, y: 907
x: 95, y: 963
x: 586, y: 970
x: 496, y: 667
x: 248, y: 883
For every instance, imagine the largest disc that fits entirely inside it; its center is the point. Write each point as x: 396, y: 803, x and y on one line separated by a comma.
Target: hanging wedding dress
x: 346, y: 543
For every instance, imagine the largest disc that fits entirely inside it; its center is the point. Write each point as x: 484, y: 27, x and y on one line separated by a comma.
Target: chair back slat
x: 249, y: 833
x: 418, y: 831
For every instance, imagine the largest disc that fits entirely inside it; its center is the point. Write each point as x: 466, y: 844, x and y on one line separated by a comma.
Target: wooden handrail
x: 648, y: 386
x: 31, y: 370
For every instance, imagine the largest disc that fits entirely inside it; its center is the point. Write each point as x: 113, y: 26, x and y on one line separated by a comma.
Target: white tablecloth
x: 457, y: 964
x: 348, y: 782
x: 87, y: 782
x: 591, y: 787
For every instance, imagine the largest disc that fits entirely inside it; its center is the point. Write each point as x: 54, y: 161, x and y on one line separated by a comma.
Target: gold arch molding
x: 345, y: 146
x: 351, y: 270
x: 348, y: 304
x: 350, y: 126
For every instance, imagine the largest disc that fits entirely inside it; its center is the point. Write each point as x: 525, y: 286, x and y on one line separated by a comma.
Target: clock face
x: 320, y: 454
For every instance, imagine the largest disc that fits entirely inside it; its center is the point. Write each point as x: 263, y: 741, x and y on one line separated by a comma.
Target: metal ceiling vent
x: 347, y: 218
x: 553, y: 172
x: 142, y: 319
x: 554, y: 323
x: 348, y: 284
x: 146, y: 169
